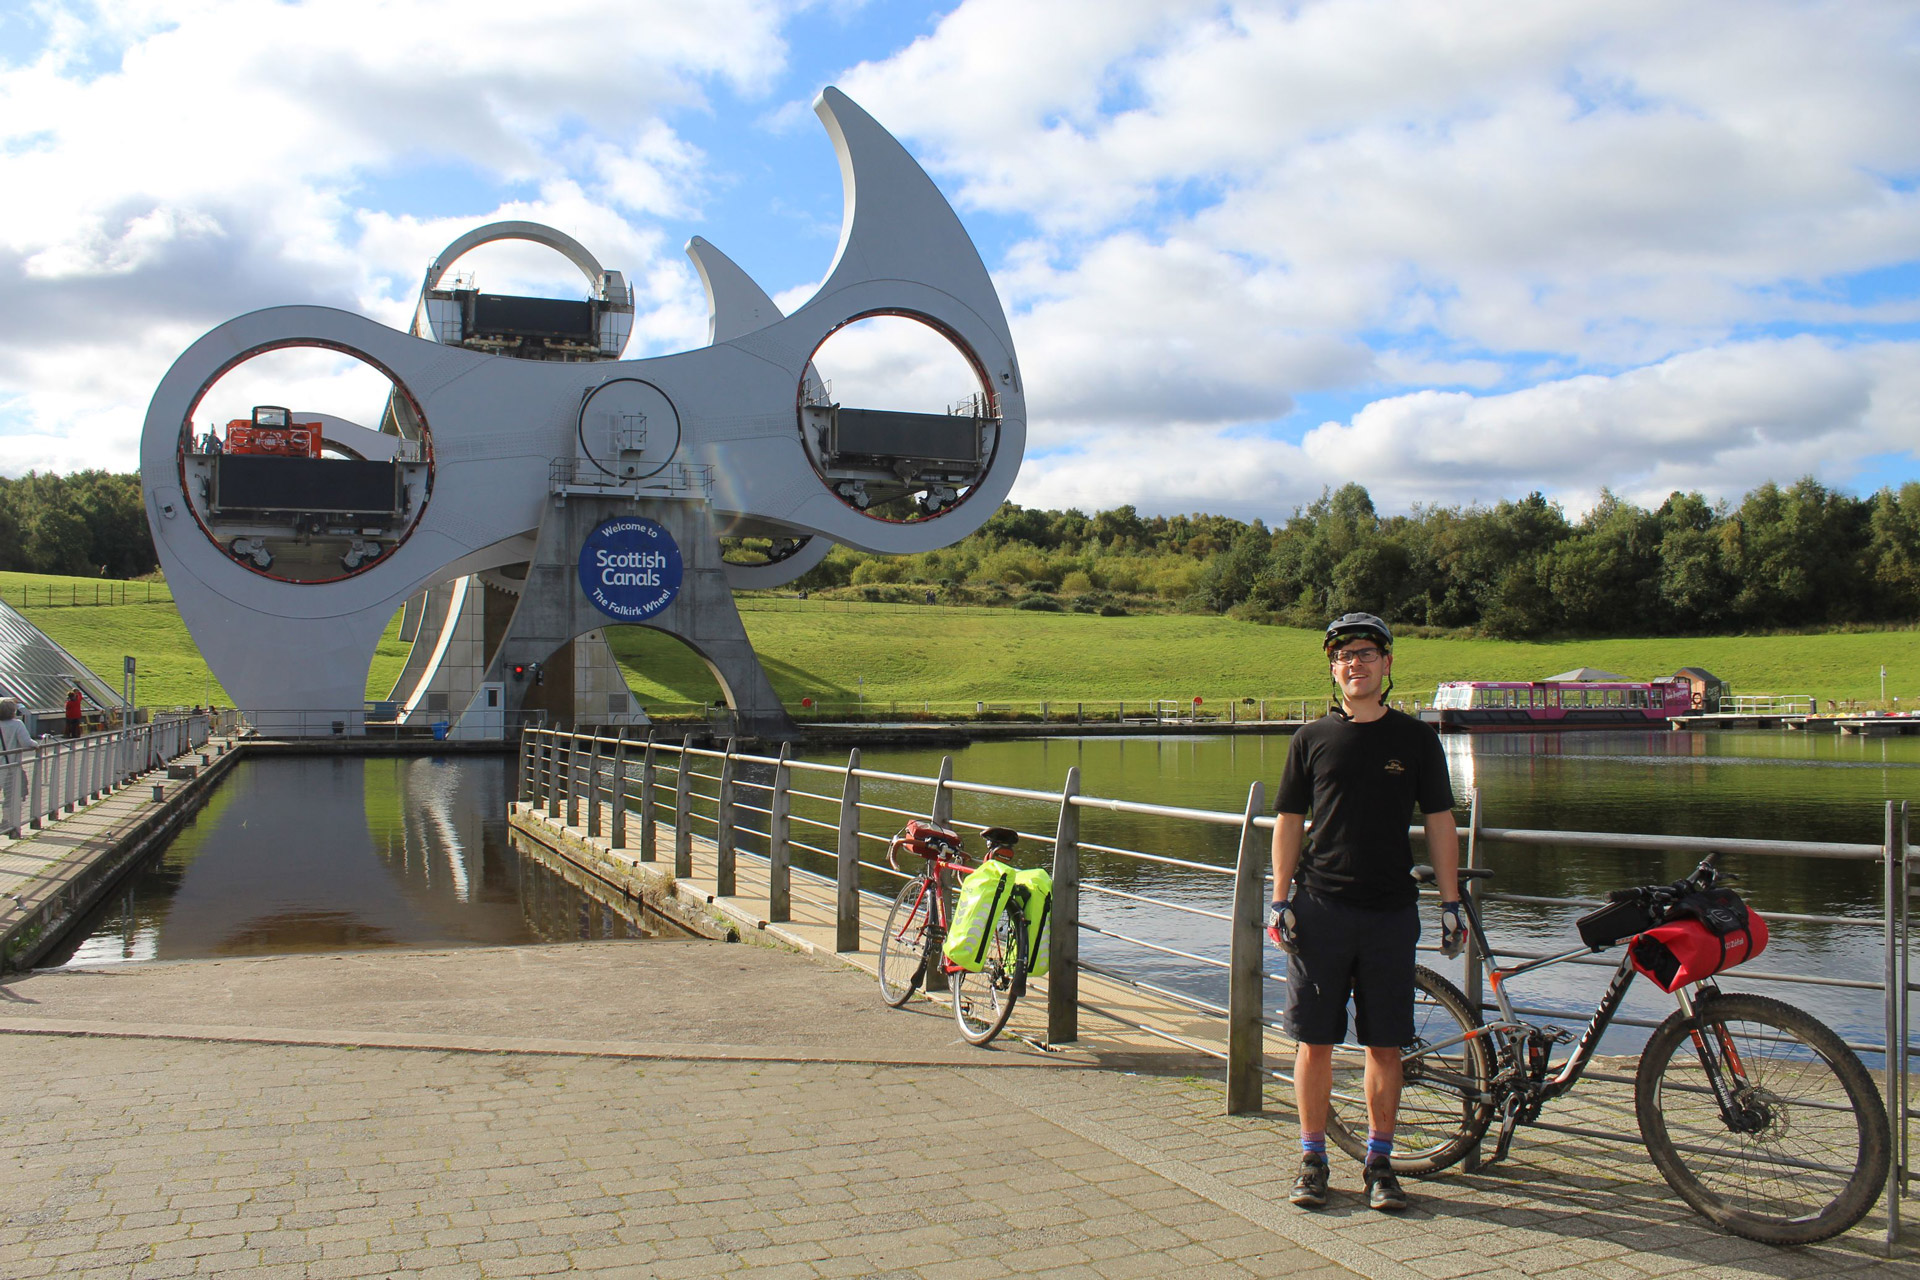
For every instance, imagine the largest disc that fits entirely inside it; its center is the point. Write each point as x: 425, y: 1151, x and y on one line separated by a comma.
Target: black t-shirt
x: 1361, y: 783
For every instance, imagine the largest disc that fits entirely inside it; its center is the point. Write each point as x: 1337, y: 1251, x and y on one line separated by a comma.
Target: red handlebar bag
x: 1706, y: 934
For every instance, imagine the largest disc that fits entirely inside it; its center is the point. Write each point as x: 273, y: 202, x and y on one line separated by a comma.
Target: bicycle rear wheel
x: 906, y: 942
x: 1445, y: 1099
x: 983, y: 1001
x: 1801, y: 1153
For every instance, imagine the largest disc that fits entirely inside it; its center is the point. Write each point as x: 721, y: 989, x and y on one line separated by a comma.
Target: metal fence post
x: 1471, y: 1161
x: 593, y: 791
x: 846, y: 875
x: 1246, y: 1038
x: 619, y: 787
x: 779, y: 851
x: 36, y: 795
x: 573, y: 780
x: 1896, y: 982
x: 553, y: 775
x: 941, y: 815
x: 682, y: 813
x: 724, y: 885
x: 649, y: 822
x: 1899, y: 1101
x: 1063, y: 948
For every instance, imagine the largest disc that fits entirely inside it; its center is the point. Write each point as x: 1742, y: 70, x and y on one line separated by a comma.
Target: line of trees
x: 1800, y: 556
x: 90, y: 523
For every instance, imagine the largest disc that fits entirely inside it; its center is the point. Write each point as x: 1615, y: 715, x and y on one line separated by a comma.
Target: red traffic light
x: 519, y: 671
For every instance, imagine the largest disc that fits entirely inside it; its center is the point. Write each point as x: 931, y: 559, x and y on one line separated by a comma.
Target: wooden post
x: 649, y: 826
x: 1245, y: 981
x: 779, y: 850
x: 619, y: 786
x: 683, y: 813
x: 1063, y: 950
x: 846, y: 877
x: 724, y: 854
x: 941, y: 815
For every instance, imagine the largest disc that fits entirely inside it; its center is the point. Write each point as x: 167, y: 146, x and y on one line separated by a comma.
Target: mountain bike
x: 1755, y: 1112
x: 916, y: 929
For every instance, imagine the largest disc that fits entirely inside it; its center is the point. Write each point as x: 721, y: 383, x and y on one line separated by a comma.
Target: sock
x: 1313, y: 1144
x: 1379, y: 1145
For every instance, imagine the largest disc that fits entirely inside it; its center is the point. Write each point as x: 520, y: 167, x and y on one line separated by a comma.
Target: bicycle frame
x: 934, y: 876
x: 1518, y: 1075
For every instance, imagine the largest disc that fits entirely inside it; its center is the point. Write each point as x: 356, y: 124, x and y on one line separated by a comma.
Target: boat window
x: 1553, y: 697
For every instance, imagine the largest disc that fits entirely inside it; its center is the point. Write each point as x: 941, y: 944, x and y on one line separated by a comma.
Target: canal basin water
x: 331, y: 853
x: 1794, y: 786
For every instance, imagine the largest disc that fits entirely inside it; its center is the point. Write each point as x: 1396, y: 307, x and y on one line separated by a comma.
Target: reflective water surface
x: 307, y: 854
x: 1776, y: 785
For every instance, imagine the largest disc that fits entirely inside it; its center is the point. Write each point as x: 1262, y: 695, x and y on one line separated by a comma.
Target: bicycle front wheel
x: 906, y: 943
x: 983, y: 1001
x: 1446, y: 1100
x: 1798, y: 1153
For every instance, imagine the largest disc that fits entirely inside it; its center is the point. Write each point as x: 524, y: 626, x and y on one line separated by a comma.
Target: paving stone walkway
x: 656, y: 1109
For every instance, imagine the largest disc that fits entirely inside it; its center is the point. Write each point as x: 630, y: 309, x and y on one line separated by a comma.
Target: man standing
x: 74, y: 711
x: 1346, y: 910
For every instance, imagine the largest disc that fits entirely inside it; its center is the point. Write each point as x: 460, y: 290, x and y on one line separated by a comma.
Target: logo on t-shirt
x: 1394, y: 766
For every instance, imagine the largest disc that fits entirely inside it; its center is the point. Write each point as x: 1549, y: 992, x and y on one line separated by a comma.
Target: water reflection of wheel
x: 1445, y: 1103
x: 1800, y: 1152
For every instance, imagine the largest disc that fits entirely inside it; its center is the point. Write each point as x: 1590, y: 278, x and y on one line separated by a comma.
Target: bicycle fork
x: 1726, y: 1074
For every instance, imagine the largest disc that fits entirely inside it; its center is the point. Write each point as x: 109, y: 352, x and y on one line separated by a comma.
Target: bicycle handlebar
x: 1704, y: 876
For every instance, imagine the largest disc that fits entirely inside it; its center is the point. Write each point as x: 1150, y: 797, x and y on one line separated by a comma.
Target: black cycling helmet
x: 1349, y: 625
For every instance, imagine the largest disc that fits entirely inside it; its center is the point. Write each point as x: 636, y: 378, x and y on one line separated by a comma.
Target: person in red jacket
x: 74, y: 707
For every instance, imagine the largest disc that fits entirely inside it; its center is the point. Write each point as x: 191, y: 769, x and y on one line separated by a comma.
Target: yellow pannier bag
x: 983, y: 896
x: 1038, y: 910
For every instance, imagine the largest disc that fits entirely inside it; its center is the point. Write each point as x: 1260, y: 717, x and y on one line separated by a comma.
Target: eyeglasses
x: 1355, y: 657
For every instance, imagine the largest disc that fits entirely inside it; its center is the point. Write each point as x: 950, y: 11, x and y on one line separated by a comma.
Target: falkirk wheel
x: 607, y: 484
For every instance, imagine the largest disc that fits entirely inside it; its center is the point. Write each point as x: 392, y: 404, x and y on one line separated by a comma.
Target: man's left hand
x: 1453, y: 930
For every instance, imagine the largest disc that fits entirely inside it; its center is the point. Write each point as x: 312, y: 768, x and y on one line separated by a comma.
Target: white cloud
x: 188, y: 162
x: 1596, y: 242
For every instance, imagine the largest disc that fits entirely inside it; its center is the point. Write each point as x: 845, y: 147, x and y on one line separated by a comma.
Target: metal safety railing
x: 726, y: 796
x: 41, y: 782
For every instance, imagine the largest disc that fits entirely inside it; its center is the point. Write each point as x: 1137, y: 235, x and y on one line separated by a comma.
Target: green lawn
x: 958, y: 656
x: 964, y: 655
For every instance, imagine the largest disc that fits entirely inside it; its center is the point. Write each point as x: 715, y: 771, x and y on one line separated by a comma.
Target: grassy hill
x: 958, y: 655
x: 837, y: 652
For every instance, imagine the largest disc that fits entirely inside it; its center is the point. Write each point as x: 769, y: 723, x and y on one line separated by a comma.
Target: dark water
x: 333, y: 853
x: 1762, y: 785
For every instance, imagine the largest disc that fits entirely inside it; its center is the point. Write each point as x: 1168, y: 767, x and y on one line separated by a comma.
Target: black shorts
x: 1357, y: 952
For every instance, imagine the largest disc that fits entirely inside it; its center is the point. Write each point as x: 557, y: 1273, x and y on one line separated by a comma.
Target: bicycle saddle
x: 1000, y: 837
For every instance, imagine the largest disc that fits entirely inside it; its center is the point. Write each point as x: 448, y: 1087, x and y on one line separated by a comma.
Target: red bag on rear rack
x: 1705, y: 934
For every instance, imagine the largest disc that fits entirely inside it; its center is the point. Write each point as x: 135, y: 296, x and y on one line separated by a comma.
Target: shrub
x: 1040, y: 604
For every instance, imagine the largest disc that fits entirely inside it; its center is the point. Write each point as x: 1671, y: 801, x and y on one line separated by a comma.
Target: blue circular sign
x: 630, y: 568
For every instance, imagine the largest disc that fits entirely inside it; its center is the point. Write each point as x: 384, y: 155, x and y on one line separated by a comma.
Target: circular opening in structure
x: 896, y: 418
x: 306, y: 463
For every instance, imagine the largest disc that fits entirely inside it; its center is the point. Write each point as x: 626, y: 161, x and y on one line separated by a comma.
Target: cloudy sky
x: 1453, y: 251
